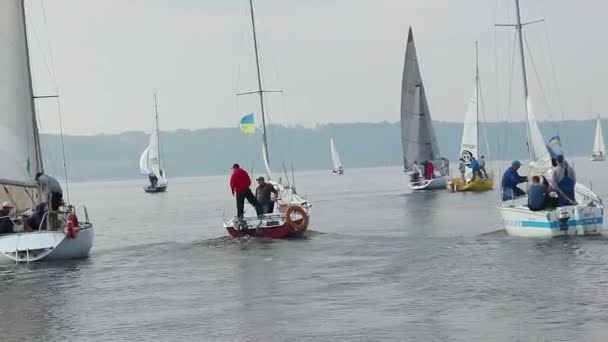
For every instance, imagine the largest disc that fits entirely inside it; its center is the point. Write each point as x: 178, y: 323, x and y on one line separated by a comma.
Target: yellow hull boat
x: 457, y: 184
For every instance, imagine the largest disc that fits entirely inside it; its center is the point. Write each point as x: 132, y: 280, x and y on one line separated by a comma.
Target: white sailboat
x: 293, y: 216
x: 335, y: 159
x: 22, y: 157
x: 417, y: 135
x: 586, y: 216
x: 470, y: 147
x: 599, y: 148
x: 150, y: 162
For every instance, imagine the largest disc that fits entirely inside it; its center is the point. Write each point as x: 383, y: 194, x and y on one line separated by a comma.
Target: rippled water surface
x: 380, y: 264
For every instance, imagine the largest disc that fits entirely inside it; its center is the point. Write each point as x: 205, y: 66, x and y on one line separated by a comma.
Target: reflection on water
x: 380, y: 264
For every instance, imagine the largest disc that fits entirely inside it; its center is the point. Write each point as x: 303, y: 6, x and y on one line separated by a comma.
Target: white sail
x: 143, y: 162
x: 469, y: 148
x: 19, y: 144
x: 417, y: 135
x: 540, y: 159
x: 266, y: 163
x: 335, y: 158
x: 599, y: 148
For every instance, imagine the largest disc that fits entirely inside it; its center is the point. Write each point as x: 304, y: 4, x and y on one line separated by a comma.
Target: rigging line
x: 508, y: 148
x: 483, y: 114
x: 46, y: 27
x: 552, y: 65
x: 65, y: 166
x: 542, y: 89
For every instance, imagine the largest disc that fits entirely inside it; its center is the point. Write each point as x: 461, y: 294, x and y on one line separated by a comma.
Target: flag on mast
x: 248, y: 124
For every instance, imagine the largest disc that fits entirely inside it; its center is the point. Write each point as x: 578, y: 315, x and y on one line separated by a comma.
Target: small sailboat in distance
x: 150, y: 162
x: 470, y: 147
x: 335, y: 159
x: 599, y: 148
x: 417, y: 134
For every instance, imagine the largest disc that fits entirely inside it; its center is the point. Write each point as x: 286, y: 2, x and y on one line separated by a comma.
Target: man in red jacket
x: 239, y: 184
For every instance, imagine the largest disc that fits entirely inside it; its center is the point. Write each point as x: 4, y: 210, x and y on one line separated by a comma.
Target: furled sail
x: 417, y: 135
x: 540, y: 159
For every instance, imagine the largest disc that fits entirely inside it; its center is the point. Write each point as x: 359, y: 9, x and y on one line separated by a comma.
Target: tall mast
x: 38, y: 150
x: 519, y: 27
x: 260, y: 89
x: 157, y: 132
x: 477, y: 96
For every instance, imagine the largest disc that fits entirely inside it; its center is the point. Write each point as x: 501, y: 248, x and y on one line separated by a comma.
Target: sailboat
x: 599, y: 148
x: 150, y: 162
x: 469, y: 147
x: 23, y: 159
x: 417, y: 135
x: 335, y: 159
x: 585, y: 216
x: 293, y: 216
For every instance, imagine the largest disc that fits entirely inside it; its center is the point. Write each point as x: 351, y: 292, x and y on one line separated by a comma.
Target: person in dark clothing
x: 6, y: 222
x: 37, y: 220
x: 153, y: 180
x: 263, y: 194
x: 474, y: 165
x: 564, y: 178
x: 239, y: 184
x: 537, y: 195
x: 510, y: 179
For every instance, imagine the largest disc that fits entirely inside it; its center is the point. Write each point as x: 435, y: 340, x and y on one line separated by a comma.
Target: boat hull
x: 337, y: 172
x: 271, y: 226
x: 581, y: 220
x: 598, y: 158
x: 477, y: 185
x: 439, y: 183
x: 155, y: 190
x: 46, y: 245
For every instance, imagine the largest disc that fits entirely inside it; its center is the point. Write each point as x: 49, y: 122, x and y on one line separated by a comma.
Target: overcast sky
x: 336, y: 60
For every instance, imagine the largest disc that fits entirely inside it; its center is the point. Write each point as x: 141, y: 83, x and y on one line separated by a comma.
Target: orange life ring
x: 293, y: 225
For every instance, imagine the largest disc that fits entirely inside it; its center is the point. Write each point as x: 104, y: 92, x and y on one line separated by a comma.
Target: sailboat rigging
x: 150, y: 160
x: 293, y: 210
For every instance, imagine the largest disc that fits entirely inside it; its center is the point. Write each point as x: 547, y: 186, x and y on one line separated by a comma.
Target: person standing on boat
x: 153, y: 180
x: 416, y: 172
x: 239, y: 184
x: 510, y: 179
x: 51, y: 190
x: 462, y: 167
x: 564, y: 178
x: 482, y: 167
x: 430, y: 170
x: 474, y: 165
x: 263, y: 194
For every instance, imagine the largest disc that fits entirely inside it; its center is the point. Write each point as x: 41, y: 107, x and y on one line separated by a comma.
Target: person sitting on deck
x: 239, y: 185
x: 263, y: 194
x: 510, y: 179
x: 538, y: 195
x: 564, y: 178
x: 7, y: 225
x: 153, y: 180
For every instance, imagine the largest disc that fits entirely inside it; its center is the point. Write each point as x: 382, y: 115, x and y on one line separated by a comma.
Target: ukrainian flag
x: 28, y: 165
x: 248, y: 124
x: 555, y: 140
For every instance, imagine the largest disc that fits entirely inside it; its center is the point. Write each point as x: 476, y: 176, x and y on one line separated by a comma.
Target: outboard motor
x: 563, y: 217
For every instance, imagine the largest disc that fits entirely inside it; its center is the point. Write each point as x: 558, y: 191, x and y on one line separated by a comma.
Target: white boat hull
x: 439, y: 183
x: 581, y: 220
x: 46, y: 245
x: 598, y: 158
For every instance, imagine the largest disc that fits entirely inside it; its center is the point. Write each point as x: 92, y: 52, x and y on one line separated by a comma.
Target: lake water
x: 380, y: 264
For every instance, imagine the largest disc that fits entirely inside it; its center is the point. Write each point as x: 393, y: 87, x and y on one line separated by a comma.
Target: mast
x: 157, y: 133
x: 37, y: 148
x: 519, y: 27
x: 260, y: 90
x: 477, y: 97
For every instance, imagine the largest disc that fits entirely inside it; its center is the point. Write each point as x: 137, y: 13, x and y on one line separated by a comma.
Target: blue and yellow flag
x: 555, y: 140
x: 28, y: 165
x: 248, y: 124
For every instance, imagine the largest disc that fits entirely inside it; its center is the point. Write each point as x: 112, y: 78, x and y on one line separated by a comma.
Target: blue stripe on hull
x: 554, y: 224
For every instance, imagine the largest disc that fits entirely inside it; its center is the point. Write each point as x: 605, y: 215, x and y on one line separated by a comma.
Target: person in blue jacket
x: 510, y: 179
x: 474, y: 165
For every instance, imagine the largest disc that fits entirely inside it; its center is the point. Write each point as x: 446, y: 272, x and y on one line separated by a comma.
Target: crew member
x: 239, y: 184
x: 263, y: 194
x: 510, y: 179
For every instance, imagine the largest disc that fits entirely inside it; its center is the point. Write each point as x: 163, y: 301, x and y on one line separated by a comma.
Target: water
x: 381, y: 264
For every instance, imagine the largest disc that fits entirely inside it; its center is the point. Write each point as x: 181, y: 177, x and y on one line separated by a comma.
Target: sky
x: 335, y: 60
